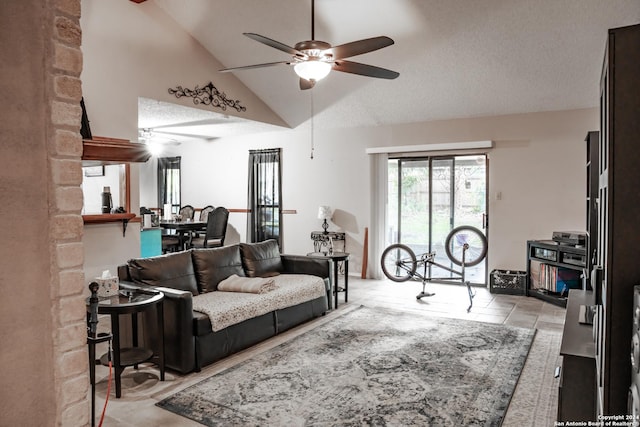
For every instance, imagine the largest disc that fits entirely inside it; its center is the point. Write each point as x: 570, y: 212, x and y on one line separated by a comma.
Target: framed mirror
x: 94, y: 180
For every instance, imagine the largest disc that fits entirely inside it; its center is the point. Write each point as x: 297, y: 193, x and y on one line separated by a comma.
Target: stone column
x: 43, y: 360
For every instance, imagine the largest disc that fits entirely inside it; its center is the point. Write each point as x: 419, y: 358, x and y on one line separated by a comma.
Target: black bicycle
x: 465, y: 246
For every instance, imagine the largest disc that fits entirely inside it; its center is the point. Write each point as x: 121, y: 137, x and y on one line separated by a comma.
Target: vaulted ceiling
x: 456, y: 58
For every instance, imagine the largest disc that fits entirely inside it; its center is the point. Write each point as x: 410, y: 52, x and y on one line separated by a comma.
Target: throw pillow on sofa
x: 261, y: 259
x: 172, y: 271
x: 216, y: 264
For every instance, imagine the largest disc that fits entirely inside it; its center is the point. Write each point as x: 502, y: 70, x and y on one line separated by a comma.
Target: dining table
x: 184, y: 229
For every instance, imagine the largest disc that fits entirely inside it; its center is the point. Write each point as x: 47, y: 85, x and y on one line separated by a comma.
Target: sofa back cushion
x: 171, y: 271
x: 261, y: 259
x: 213, y: 265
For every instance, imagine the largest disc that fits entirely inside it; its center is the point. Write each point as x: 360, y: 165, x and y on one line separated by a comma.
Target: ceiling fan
x: 313, y: 59
x: 151, y: 136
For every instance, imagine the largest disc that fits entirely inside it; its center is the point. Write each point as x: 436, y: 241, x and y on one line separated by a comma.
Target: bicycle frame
x: 427, y: 262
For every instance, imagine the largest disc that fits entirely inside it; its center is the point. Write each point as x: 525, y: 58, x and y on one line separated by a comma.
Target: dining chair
x: 186, y: 212
x: 216, y: 230
x: 204, y: 212
x: 170, y: 242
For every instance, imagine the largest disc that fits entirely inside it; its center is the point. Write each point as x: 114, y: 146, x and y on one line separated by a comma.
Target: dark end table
x: 335, y: 258
x: 132, y: 301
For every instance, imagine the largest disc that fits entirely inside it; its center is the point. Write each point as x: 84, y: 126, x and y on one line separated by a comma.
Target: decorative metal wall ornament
x: 208, y: 95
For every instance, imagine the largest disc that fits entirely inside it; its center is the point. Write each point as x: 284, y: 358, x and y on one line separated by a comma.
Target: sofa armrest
x: 301, y: 264
x: 123, y: 273
x: 179, y: 341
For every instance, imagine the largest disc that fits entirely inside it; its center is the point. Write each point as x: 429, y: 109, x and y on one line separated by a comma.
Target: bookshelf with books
x: 553, y: 269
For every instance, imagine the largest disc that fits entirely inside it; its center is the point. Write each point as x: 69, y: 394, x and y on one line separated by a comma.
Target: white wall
x: 538, y: 164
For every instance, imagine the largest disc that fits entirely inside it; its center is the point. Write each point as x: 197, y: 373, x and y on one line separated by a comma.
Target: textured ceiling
x: 176, y: 123
x: 456, y: 58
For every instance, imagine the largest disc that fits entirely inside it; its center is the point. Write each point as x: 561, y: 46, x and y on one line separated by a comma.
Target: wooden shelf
x: 101, y: 150
x: 551, y: 253
x: 107, y: 218
x: 104, y: 218
x: 550, y: 297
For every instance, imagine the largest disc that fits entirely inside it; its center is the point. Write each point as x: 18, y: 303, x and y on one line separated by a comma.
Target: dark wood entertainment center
x: 597, y: 371
x: 618, y: 215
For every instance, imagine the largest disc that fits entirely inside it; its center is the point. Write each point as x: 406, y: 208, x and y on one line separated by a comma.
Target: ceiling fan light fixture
x: 312, y: 69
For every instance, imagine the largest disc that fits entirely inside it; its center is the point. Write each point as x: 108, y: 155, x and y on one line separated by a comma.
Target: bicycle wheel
x: 398, y: 262
x: 474, y: 238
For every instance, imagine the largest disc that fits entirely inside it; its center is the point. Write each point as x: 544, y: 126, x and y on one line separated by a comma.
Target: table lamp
x: 324, y: 213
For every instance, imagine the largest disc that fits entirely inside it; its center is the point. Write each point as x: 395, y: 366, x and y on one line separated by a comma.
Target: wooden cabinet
x: 618, y: 216
x: 577, y: 387
x: 547, y: 258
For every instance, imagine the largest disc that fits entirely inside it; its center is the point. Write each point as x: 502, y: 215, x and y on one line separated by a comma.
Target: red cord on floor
x: 104, y: 409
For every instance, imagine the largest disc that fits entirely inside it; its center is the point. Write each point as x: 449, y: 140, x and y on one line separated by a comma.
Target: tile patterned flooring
x: 533, y: 404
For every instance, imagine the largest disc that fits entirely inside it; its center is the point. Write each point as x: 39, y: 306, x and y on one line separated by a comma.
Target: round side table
x: 132, y: 301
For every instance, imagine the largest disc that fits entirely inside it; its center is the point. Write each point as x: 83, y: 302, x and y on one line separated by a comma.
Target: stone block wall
x: 64, y: 152
x: 43, y: 360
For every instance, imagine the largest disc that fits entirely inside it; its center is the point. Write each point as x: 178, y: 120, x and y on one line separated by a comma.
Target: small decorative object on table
x: 108, y: 285
x: 324, y: 213
x: 107, y: 203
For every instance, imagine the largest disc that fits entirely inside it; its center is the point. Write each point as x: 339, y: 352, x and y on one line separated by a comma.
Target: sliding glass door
x: 430, y: 196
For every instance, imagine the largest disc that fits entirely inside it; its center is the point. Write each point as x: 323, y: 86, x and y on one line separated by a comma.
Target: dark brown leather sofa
x: 190, y: 342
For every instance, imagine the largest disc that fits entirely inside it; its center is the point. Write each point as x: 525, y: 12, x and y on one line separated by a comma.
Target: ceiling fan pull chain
x: 312, y: 125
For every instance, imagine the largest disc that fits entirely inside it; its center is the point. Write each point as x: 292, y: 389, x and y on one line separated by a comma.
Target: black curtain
x: 264, y: 196
x: 169, y: 182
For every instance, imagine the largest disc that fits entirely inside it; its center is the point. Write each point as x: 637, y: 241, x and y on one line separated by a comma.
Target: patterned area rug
x: 369, y: 367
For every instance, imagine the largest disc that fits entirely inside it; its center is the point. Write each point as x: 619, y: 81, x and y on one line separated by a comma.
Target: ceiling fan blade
x: 306, y: 84
x: 182, y: 134
x: 249, y: 67
x: 364, y: 70
x: 275, y: 44
x: 359, y: 47
x: 203, y: 122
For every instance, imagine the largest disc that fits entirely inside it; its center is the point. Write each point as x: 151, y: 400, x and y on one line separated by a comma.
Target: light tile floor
x: 534, y: 402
